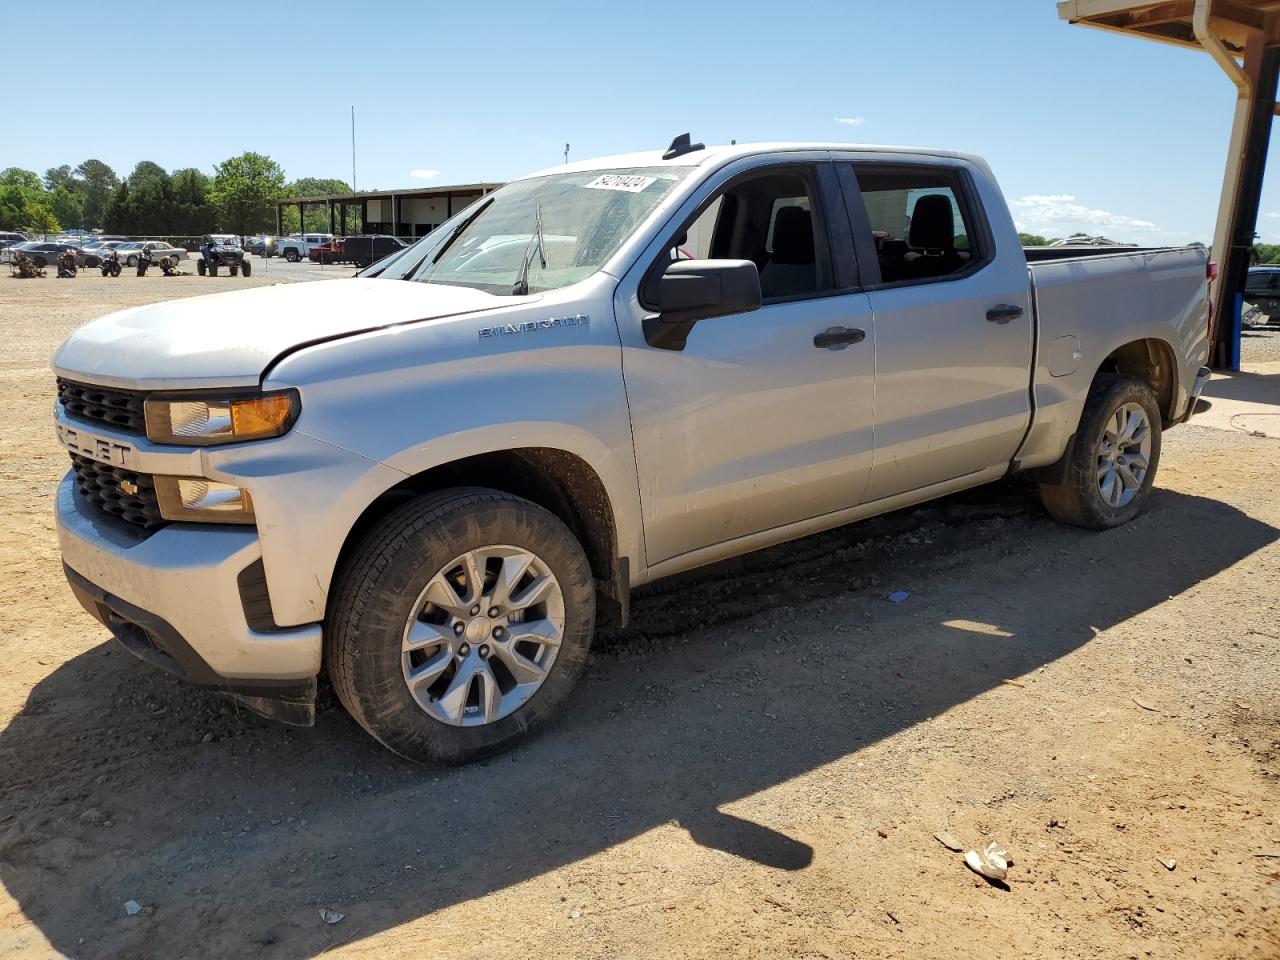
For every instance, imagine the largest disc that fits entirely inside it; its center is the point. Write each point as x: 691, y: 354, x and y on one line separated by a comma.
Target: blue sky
x: 1087, y: 131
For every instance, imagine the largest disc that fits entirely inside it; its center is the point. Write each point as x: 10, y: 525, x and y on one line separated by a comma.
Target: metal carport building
x: 1243, y: 36
x: 407, y: 214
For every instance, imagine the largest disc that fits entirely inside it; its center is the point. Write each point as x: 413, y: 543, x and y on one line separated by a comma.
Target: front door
x: 751, y: 425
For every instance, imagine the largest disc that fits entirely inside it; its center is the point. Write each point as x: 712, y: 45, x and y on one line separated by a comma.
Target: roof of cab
x: 720, y: 155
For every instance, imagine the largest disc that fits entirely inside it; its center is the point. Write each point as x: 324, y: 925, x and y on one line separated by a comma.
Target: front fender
x: 418, y: 396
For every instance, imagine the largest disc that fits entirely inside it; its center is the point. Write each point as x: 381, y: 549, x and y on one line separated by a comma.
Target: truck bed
x: 1090, y: 302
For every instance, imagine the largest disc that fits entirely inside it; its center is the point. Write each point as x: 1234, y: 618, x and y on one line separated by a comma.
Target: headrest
x: 793, y: 237
x: 933, y: 225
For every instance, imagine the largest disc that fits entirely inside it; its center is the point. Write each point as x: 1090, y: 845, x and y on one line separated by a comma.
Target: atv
x: 222, y: 250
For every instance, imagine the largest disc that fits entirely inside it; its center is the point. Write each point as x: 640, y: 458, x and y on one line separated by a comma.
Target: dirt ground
x: 754, y: 768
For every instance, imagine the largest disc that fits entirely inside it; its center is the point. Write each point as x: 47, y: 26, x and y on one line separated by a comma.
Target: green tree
x: 26, y: 179
x: 40, y: 219
x: 67, y: 206
x: 62, y: 176
x: 317, y: 218
x: 244, y: 192
x: 118, y: 215
x: 194, y: 213
x: 1032, y: 240
x: 20, y: 191
x: 100, y: 184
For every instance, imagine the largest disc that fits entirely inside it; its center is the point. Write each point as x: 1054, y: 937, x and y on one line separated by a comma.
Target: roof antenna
x: 680, y: 146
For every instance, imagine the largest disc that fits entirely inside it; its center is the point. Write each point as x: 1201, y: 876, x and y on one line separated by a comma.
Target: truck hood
x: 229, y: 339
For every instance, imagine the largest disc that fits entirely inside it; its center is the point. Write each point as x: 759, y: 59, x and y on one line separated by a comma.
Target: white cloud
x: 851, y: 121
x: 1061, y: 209
x: 424, y: 174
x: 1273, y: 216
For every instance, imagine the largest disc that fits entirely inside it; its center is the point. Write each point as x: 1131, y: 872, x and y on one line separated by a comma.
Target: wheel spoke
x: 522, y: 668
x: 454, y: 699
x: 533, y: 593
x: 423, y: 676
x: 1110, y: 488
x: 512, y: 571
x: 425, y: 634
x: 473, y: 567
x: 1129, y: 478
x: 542, y: 632
x: 490, y: 694
x: 442, y: 593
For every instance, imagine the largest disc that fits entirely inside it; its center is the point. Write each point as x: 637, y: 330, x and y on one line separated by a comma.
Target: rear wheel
x: 233, y: 270
x: 201, y: 267
x: 131, y: 262
x: 1113, y: 457
x: 460, y: 624
x: 291, y: 255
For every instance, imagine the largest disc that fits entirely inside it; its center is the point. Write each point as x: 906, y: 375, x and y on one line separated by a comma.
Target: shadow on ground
x: 232, y: 832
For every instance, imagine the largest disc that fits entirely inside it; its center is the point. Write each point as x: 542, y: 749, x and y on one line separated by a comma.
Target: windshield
x: 585, y: 217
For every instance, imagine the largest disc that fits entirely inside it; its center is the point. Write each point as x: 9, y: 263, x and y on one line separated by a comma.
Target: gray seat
x: 792, y: 267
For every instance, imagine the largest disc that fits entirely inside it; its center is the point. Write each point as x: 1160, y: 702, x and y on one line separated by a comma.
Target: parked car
x: 8, y: 239
x: 296, y: 246
x: 368, y: 248
x: 1252, y: 317
x: 334, y: 251
x: 129, y: 251
x: 93, y: 252
x: 1262, y: 289
x: 46, y: 253
x: 434, y: 489
x: 260, y: 246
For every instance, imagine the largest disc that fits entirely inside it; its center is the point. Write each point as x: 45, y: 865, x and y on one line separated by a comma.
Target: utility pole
x: 566, y: 153
x: 353, y: 147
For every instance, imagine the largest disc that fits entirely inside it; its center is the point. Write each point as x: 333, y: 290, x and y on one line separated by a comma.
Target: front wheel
x: 1112, y: 461
x: 245, y: 268
x: 460, y: 624
x: 201, y: 267
x: 291, y: 256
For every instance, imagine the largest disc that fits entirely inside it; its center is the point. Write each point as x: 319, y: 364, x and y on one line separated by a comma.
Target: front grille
x: 121, y: 409
x: 104, y: 486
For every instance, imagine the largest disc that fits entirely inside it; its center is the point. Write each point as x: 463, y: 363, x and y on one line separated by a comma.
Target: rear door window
x: 922, y: 223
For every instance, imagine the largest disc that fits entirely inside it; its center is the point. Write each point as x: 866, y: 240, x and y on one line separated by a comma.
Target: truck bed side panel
x: 1089, y: 307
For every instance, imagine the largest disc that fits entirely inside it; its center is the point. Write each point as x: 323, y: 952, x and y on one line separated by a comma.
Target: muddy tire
x: 1112, y: 461
x: 459, y: 624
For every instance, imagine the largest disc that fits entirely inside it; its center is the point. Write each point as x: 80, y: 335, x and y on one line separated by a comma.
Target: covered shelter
x: 407, y: 214
x: 1243, y: 37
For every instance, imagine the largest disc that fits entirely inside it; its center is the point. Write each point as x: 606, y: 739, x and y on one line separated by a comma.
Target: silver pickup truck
x: 432, y: 481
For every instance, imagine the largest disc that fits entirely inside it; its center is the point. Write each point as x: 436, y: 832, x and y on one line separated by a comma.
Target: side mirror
x: 693, y: 290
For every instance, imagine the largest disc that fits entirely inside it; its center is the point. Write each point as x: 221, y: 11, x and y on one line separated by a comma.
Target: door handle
x: 1004, y: 312
x: 837, y: 338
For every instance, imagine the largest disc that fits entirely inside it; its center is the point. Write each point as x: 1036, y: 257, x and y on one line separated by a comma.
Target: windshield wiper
x: 521, y: 287
x: 457, y: 232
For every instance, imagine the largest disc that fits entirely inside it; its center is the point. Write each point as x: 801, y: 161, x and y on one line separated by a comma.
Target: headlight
x: 201, y: 423
x: 202, y: 501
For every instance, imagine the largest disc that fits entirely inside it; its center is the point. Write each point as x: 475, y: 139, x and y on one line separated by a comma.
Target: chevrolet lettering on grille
x: 95, y: 448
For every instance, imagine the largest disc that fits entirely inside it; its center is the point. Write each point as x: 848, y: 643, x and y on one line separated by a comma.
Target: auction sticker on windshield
x: 626, y: 182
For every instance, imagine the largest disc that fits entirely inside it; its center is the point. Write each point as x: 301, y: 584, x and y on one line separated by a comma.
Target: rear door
x: 953, y: 324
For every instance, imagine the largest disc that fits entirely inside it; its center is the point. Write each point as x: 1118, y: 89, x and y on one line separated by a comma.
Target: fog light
x: 197, y: 500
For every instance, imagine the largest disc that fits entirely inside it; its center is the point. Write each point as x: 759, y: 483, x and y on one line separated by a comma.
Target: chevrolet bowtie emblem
x: 129, y: 488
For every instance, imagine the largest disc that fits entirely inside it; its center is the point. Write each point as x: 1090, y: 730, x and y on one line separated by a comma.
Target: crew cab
x: 434, y: 479
x: 297, y: 246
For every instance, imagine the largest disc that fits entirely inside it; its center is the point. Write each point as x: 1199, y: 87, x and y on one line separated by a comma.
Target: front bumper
x: 173, y: 597
x: 1197, y: 388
